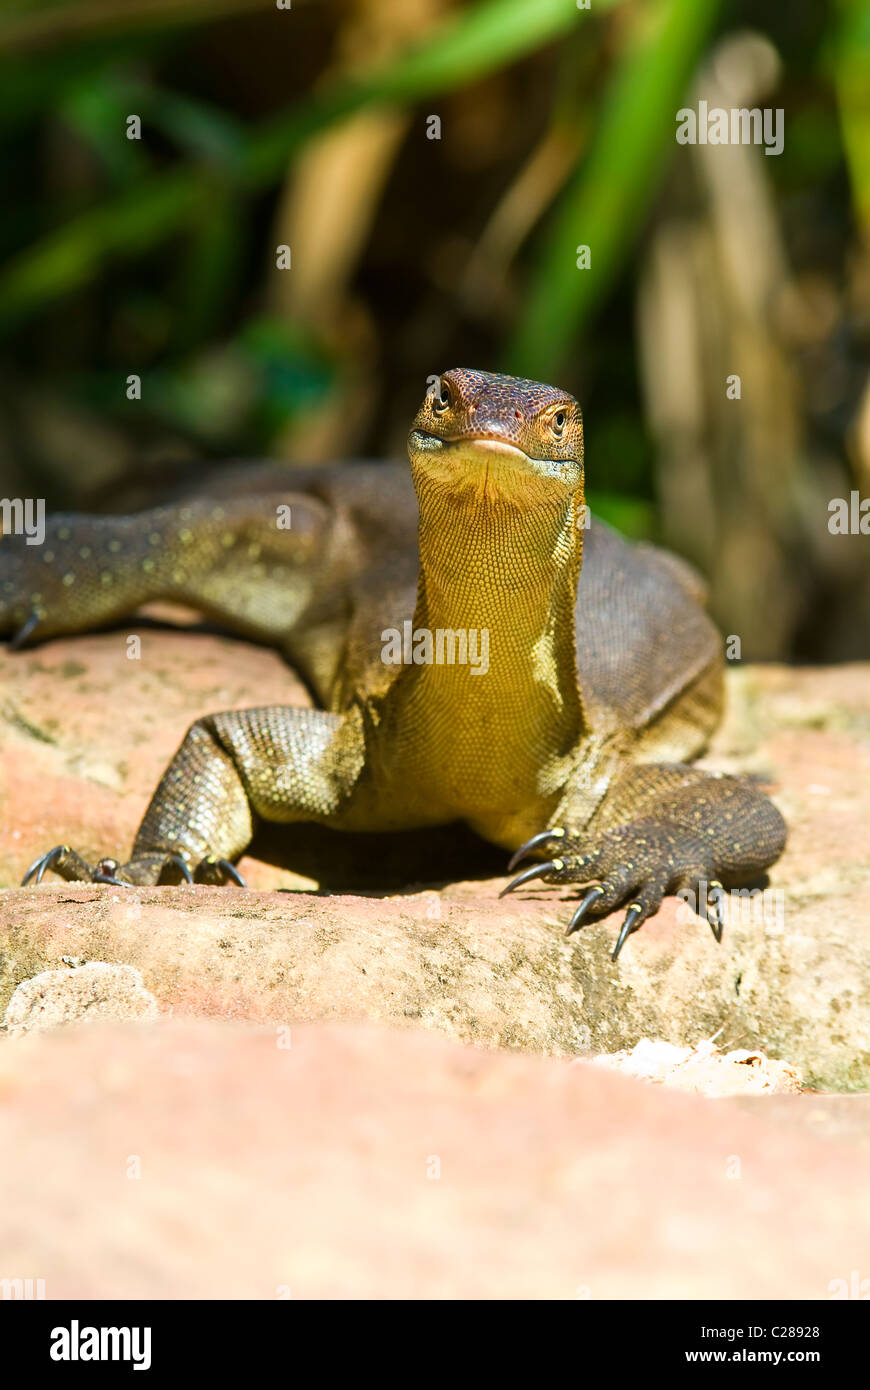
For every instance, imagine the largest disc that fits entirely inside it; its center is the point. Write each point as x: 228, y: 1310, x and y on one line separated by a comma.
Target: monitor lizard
x: 572, y: 748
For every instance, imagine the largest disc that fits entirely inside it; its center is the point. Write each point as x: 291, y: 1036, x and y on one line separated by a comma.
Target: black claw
x: 181, y: 865
x: 577, y: 920
x: 543, y: 838
x: 231, y: 871
x: 716, y: 897
x: 536, y: 871
x: 24, y: 632
x: 630, y: 925
x: 43, y: 863
x: 31, y: 871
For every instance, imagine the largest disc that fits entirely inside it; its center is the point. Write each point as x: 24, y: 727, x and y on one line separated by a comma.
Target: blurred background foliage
x: 310, y: 127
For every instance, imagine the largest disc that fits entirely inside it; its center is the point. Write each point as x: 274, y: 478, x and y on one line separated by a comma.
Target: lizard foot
x: 633, y: 866
x: 218, y: 872
x: 153, y: 869
x: 69, y: 865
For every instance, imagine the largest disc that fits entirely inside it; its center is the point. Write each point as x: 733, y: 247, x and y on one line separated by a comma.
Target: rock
x: 85, y: 735
x: 704, y: 1070
x: 91, y: 991
x: 85, y: 731
x: 205, y: 1160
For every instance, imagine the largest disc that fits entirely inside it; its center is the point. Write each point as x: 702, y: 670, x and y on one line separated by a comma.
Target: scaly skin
x: 576, y: 737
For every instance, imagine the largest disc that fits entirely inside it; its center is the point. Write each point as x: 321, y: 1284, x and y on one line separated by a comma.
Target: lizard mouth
x: 464, y: 453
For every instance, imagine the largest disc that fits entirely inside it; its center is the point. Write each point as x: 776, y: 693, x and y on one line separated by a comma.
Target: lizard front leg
x: 278, y: 763
x: 662, y: 828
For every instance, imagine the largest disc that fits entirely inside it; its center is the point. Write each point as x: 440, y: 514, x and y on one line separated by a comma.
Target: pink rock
x: 212, y: 1160
x: 85, y: 734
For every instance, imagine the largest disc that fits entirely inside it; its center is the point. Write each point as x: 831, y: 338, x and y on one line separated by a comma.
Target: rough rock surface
x: 92, y: 991
x: 704, y: 1070
x: 398, y: 1164
x: 85, y: 733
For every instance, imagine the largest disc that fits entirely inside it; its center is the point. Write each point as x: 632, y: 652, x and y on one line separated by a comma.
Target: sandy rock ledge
x: 84, y: 735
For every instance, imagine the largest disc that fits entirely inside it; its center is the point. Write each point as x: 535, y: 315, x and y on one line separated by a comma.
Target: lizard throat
x: 491, y: 562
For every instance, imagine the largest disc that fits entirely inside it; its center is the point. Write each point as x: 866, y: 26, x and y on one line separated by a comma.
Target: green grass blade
x: 608, y: 196
x: 852, y: 80
x: 476, y: 42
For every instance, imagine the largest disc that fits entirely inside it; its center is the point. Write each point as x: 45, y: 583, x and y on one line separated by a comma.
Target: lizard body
x: 603, y: 675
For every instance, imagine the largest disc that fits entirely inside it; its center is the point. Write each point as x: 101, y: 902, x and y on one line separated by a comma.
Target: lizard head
x: 479, y: 430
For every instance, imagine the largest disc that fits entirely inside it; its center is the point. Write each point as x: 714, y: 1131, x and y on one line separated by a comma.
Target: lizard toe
x: 107, y: 871
x: 218, y: 872
x: 716, y: 897
x: 550, y: 871
x: 631, y: 923
x: 577, y: 921
x: 175, y: 870
x: 707, y: 898
x: 544, y: 837
x: 64, y: 862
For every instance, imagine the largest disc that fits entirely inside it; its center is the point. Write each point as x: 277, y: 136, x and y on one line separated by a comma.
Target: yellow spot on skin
x: 36, y: 598
x: 218, y: 514
x: 48, y: 557
x: 227, y: 539
x: 148, y: 565
x: 254, y: 551
x: 64, y: 533
x: 69, y: 579
x: 105, y: 578
x: 114, y: 545
x: 179, y: 577
x: 155, y: 538
x: 185, y: 536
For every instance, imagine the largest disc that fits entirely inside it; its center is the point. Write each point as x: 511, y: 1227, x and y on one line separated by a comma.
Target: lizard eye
x: 442, y: 400
x: 558, y: 422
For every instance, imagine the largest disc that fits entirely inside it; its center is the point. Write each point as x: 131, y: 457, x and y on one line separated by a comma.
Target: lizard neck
x: 493, y: 739
x: 489, y: 565
x: 505, y: 574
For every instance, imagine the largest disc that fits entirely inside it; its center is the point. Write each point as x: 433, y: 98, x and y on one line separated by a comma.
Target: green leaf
x: 606, y: 200
x: 97, y: 112
x: 852, y: 79
x: 467, y: 47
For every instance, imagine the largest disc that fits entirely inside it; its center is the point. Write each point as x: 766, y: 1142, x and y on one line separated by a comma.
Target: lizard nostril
x: 518, y: 414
